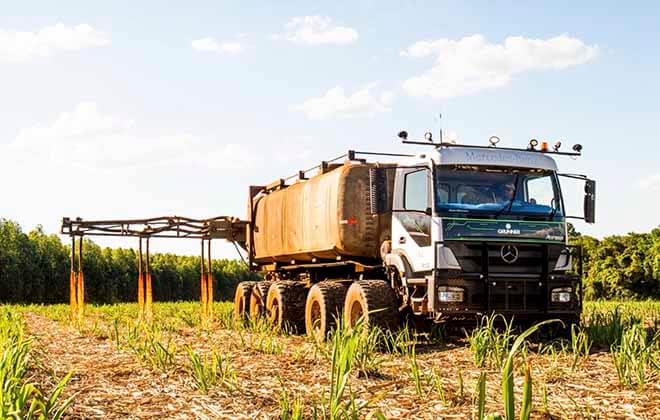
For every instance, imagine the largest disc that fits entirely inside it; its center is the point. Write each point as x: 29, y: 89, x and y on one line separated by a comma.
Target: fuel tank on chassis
x: 327, y: 216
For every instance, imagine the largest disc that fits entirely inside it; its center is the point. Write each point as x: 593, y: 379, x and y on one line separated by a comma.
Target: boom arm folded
x: 220, y: 227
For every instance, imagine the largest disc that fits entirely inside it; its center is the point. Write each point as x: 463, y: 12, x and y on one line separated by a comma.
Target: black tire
x: 258, y: 299
x: 285, y: 305
x: 242, y: 299
x: 325, y: 303
x: 373, y: 300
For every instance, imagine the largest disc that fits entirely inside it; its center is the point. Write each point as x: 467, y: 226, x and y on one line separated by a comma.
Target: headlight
x: 450, y: 294
x: 446, y: 259
x: 564, y: 261
x: 561, y: 295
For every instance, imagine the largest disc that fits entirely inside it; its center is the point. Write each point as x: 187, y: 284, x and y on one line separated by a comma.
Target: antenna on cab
x: 440, y: 124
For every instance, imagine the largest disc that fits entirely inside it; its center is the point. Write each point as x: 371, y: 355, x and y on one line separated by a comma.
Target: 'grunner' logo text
x: 508, y: 230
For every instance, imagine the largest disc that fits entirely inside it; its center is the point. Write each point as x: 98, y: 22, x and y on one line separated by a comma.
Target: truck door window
x: 416, y: 199
x: 540, y: 191
x: 416, y: 191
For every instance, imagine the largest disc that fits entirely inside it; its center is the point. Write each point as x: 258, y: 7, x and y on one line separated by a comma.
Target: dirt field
x: 120, y: 374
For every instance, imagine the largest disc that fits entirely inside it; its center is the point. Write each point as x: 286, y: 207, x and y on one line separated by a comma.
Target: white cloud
x: 18, y: 46
x: 226, y: 156
x: 472, y: 64
x: 650, y: 183
x: 88, y: 138
x: 335, y: 103
x: 317, y: 30
x: 209, y: 44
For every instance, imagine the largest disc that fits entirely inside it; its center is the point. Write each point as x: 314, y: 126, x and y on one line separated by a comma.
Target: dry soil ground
x: 115, y: 382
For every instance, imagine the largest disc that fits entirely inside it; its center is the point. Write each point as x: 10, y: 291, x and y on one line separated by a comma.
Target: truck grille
x: 520, y: 295
x: 472, y: 258
x: 517, y: 286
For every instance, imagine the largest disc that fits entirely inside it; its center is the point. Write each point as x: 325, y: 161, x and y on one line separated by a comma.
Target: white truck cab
x: 483, y: 229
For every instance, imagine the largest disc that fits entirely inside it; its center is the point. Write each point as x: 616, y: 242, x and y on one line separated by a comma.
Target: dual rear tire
x: 285, y: 305
x: 258, y: 299
x: 289, y: 306
x: 242, y: 299
x: 325, y: 303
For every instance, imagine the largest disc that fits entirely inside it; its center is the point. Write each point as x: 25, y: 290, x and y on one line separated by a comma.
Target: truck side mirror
x: 590, y: 201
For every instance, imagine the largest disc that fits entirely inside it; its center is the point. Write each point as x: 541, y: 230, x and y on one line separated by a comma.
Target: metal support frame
x: 221, y: 227
x: 206, y: 284
x: 140, y: 287
x: 148, y: 297
x: 77, y: 282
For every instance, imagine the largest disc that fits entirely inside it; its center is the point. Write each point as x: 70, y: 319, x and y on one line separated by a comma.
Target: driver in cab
x: 507, y: 192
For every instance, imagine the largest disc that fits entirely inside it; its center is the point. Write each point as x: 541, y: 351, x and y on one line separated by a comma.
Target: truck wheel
x: 258, y: 299
x: 285, y: 305
x: 242, y: 299
x: 374, y: 301
x: 325, y: 301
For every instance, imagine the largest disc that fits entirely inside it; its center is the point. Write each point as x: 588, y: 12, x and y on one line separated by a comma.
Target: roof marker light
x: 556, y: 146
x: 493, y: 140
x: 429, y: 136
x: 577, y: 148
x: 532, y: 144
x: 544, y: 146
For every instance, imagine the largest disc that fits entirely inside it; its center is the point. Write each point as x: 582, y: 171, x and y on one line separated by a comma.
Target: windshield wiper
x: 509, y: 204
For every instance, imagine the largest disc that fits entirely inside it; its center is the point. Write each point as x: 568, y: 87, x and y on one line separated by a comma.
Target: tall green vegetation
x: 34, y: 267
x: 490, y: 345
x: 622, y: 266
x: 634, y: 357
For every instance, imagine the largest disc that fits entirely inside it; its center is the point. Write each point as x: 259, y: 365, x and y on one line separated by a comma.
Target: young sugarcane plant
x: 481, y: 396
x: 507, y: 376
x: 507, y: 379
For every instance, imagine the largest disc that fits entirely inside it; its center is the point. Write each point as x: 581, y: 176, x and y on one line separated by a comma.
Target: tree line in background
x: 34, y: 267
x: 621, y: 266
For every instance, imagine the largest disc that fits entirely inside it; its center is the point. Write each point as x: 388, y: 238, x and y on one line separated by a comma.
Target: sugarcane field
x: 182, y: 366
x: 329, y: 210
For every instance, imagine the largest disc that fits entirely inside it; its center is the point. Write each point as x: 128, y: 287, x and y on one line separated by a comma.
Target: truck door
x: 411, y: 217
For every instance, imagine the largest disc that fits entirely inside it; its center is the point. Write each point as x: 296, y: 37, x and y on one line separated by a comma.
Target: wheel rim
x: 274, y: 312
x: 356, y: 312
x: 240, y: 304
x: 315, y: 318
x: 257, y: 309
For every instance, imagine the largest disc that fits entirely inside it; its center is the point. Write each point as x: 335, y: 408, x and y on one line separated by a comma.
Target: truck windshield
x: 495, y: 192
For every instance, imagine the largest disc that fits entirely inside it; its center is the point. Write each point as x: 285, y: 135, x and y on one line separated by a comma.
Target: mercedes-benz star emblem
x: 509, y: 253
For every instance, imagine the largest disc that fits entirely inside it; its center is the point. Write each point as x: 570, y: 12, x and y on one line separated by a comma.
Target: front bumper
x: 522, y: 295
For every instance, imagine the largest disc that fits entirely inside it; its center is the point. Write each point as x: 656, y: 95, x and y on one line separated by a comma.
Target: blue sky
x: 126, y: 110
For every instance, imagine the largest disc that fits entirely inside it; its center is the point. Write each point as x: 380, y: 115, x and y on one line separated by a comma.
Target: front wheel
x: 372, y: 301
